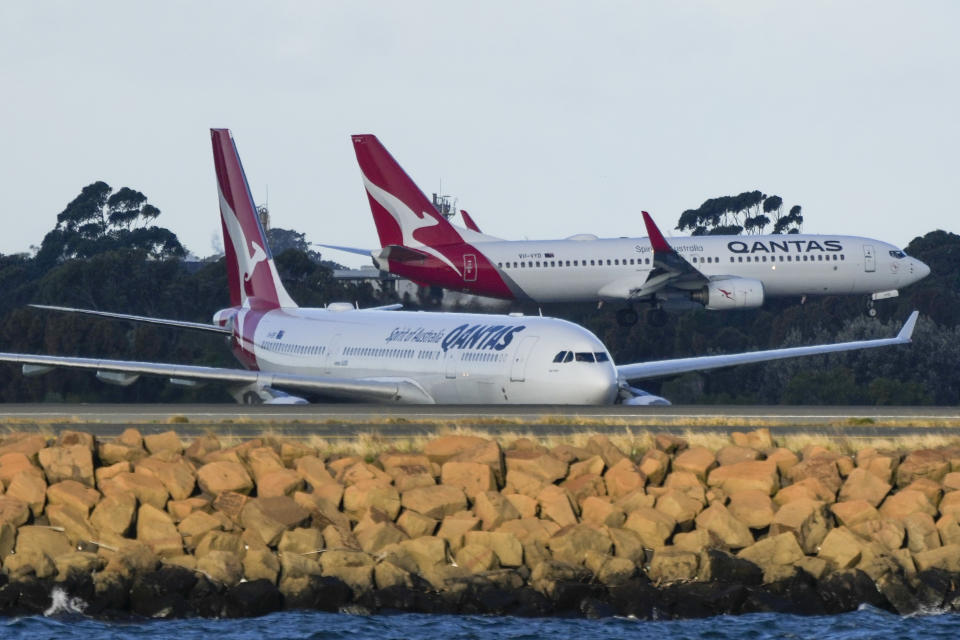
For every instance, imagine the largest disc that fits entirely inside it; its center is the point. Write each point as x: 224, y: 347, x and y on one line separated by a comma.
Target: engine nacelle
x: 730, y: 293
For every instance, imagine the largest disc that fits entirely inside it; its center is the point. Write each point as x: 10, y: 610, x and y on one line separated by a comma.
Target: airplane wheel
x: 656, y: 317
x: 872, y: 312
x: 627, y: 317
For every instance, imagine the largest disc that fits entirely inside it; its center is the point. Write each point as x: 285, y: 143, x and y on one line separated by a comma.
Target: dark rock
x: 797, y: 594
x: 163, y: 593
x: 594, y: 608
x: 396, y: 598
x: 703, y: 599
x: 251, y: 599
x: 722, y: 566
x: 567, y: 596
x: 79, y: 584
x: 323, y: 593
x: 207, y: 598
x: 33, y: 597
x: 932, y: 587
x: 898, y: 593
x: 111, y: 597
x: 845, y: 591
x: 637, y: 598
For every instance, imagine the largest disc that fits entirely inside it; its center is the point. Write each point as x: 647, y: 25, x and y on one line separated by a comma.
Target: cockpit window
x: 897, y: 254
x: 569, y: 357
x: 601, y: 356
x: 584, y: 356
x: 560, y: 356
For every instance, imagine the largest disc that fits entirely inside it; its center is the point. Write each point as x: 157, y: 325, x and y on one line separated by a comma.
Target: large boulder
x: 114, y: 514
x: 673, y: 565
x: 696, y: 460
x: 472, y: 477
x: 654, y: 466
x: 540, y: 465
x: 924, y: 463
x: 654, y: 527
x: 13, y: 511
x: 623, y: 478
x: 600, y: 511
x: 155, y: 528
x: 441, y: 449
x: 270, y: 517
x: 168, y: 441
x: 371, y: 494
x: 73, y: 493
x: 774, y: 553
x: 195, y: 526
x: 146, y: 489
x: 31, y: 488
x: 571, y: 544
x: 852, y: 512
x: 863, y: 485
x: 718, y: 520
x: 453, y: 528
x: 804, y: 518
x: 841, y: 548
x: 819, y: 465
x: 434, y: 501
x: 558, y: 505
x: 902, y: 503
x: 177, y: 475
x: 493, y: 509
x: 73, y: 462
x: 753, y: 508
x: 376, y: 530
x: 505, y: 546
x: 760, y: 475
x: 679, y: 506
x: 215, y: 478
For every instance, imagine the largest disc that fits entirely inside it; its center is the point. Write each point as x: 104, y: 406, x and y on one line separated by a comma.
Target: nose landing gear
x: 871, y: 309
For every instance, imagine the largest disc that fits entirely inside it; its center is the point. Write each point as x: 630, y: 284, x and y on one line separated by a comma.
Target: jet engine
x: 730, y: 293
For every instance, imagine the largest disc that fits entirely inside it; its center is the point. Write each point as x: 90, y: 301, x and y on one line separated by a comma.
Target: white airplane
x: 717, y: 272
x: 384, y: 355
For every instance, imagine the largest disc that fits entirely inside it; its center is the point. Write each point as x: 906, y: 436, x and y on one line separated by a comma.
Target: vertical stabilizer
x: 403, y: 214
x: 251, y: 272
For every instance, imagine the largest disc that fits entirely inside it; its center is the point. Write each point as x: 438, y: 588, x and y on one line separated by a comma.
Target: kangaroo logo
x: 726, y: 294
x: 247, y: 257
x: 409, y: 221
x: 258, y: 256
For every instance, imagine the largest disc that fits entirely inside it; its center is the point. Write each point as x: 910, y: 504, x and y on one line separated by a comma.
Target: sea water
x: 65, y: 621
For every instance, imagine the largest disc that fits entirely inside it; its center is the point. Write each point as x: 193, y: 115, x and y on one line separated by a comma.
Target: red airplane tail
x: 402, y: 213
x: 251, y: 272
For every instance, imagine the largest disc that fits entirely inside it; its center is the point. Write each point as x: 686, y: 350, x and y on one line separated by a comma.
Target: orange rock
x: 530, y: 529
x: 951, y: 481
x: 177, y: 475
x: 434, y: 502
x: 718, y: 520
x: 922, y: 532
x: 888, y: 533
x: 131, y: 438
x: 696, y: 460
x: 523, y: 483
x: 752, y: 475
x: 600, y: 445
x: 74, y: 523
x: 753, y: 508
x: 950, y: 505
x: 852, y: 512
x: 654, y: 466
x: 679, y: 506
x: 688, y: 483
x: 809, y: 488
x: 758, y: 439
x: 841, y: 548
x: 166, y: 441
x: 776, y: 550
x: 230, y: 504
x: 105, y: 473
x: 263, y: 460
x: 406, y: 477
x: 526, y: 506
x: 932, y: 490
x: 946, y: 558
x: 313, y: 471
x: 732, y: 454
x: 600, y: 511
x: 949, y: 528
x: 593, y: 465
x: 73, y: 493
x: 473, y: 477
x: 270, y: 517
x: 215, y: 478
x: 281, y: 482
x: 416, y: 525
x: 29, y: 444
x: 902, y: 503
x: 585, y: 486
x: 114, y: 514
x: 924, y: 463
x: 13, y: 463
x: 371, y: 494
x: 488, y: 453
x: 493, y: 509
x: 361, y: 471
x: 441, y: 449
x: 627, y: 544
x: 784, y: 458
x: 453, y: 527
x: 822, y: 466
x: 505, y: 545
x: 623, y: 478
x: 570, y: 454
x: 863, y: 485
x: 14, y: 511
x: 155, y: 528
x: 114, y: 452
x: 195, y: 526
x: 654, y: 527
x: 673, y: 565
x: 558, y: 505
x: 73, y: 462
x: 804, y: 518
x: 542, y: 466
x: 31, y: 488
x: 572, y: 544
x: 147, y: 489
x: 375, y: 531
x: 669, y: 444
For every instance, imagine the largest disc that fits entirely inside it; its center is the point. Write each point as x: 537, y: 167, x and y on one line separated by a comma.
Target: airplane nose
x: 601, y: 386
x: 920, y: 270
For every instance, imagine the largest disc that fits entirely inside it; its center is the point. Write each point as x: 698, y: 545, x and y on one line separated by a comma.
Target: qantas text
x: 784, y: 246
x: 480, y: 336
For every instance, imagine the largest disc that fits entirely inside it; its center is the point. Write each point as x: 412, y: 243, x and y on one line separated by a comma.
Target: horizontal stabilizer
x: 356, y: 250
x: 399, y: 253
x: 199, y: 326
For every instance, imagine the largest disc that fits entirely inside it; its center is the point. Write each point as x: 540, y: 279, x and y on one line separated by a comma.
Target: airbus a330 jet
x: 715, y: 272
x: 291, y: 354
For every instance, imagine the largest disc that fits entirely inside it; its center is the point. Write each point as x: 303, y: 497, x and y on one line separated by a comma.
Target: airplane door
x: 518, y: 370
x: 450, y: 364
x: 869, y: 259
x: 469, y: 267
x: 332, y: 355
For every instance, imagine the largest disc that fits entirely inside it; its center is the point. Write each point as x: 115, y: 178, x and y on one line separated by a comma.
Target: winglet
x: 468, y: 221
x: 907, y: 331
x: 657, y: 240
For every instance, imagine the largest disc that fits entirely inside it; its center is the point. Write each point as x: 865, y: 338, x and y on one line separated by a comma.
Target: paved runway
x: 347, y: 420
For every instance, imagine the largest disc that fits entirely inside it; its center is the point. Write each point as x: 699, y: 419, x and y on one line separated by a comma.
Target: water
x: 66, y: 623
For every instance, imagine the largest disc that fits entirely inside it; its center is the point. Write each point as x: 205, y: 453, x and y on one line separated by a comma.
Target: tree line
x: 106, y: 252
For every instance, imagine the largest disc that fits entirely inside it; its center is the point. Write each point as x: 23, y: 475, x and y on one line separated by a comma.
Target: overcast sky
x: 544, y: 119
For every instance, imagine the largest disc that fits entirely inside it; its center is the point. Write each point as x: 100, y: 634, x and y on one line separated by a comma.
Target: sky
x: 543, y: 118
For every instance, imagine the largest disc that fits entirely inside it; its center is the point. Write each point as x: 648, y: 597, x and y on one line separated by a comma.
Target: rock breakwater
x: 155, y: 526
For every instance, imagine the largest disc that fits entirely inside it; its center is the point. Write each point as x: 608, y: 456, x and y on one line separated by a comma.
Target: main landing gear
x: 627, y: 317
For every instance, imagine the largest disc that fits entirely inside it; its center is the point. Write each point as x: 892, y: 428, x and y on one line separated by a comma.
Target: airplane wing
x: 200, y: 326
x: 125, y: 372
x: 659, y: 368
x: 356, y: 250
x: 669, y: 267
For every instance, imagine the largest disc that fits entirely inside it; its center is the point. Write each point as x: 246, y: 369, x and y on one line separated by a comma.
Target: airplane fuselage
x: 454, y: 358
x: 586, y: 268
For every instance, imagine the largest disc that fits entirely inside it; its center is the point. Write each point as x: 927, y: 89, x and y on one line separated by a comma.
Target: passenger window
x: 584, y: 356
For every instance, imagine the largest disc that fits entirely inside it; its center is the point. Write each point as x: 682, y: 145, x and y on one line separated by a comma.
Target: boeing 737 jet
x: 383, y: 355
x: 717, y: 272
